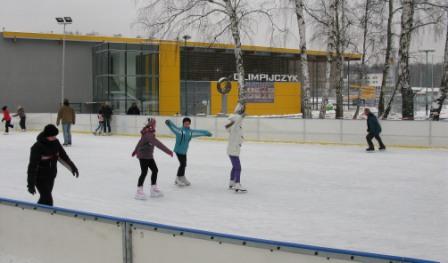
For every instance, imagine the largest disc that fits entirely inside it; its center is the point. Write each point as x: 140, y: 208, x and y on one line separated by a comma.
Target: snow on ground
x: 395, y: 202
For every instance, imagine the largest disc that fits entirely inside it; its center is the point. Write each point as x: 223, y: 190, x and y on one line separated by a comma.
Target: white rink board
x: 398, y: 133
x: 39, y: 237
x: 168, y: 248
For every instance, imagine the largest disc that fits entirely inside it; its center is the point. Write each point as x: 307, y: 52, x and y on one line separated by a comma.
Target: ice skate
x: 231, y: 184
x: 370, y: 150
x: 181, y: 181
x: 382, y: 148
x: 239, y: 188
x: 5, y: 133
x: 140, y: 195
x: 155, y: 191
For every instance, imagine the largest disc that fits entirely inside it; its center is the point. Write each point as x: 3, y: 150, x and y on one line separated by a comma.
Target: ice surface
x: 393, y: 202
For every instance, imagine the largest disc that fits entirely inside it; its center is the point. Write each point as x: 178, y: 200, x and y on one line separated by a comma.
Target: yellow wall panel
x: 287, y: 100
x: 169, y: 78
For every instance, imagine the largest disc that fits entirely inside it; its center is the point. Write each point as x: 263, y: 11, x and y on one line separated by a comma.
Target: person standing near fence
x: 145, y: 154
x: 22, y: 116
x: 42, y: 168
x: 183, y: 137
x: 235, y: 129
x: 374, y: 130
x: 100, y: 127
x: 107, y: 114
x: 7, y: 119
x: 67, y: 116
x: 133, y: 110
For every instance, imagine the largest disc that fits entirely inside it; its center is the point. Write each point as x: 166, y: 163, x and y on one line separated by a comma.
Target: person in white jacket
x: 235, y: 129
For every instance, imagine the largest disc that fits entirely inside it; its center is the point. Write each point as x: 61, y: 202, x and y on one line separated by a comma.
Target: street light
x: 63, y: 21
x: 186, y: 37
x: 426, y: 93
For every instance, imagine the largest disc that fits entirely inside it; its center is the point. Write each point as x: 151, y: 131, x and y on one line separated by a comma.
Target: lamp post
x: 426, y: 93
x: 186, y: 37
x: 63, y: 21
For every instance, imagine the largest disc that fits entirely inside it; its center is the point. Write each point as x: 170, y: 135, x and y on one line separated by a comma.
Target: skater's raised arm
x: 199, y: 133
x: 176, y: 130
x: 153, y: 140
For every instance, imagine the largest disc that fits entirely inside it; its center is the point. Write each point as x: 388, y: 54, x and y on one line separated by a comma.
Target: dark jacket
x: 44, y: 158
x: 133, y: 110
x: 145, y: 147
x: 107, y: 112
x: 373, y: 126
x: 20, y: 113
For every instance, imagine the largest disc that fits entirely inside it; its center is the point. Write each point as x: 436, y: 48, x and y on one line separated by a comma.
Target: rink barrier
x: 131, y: 229
x: 415, y: 134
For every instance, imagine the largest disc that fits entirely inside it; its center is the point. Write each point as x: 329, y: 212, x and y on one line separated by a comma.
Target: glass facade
x: 127, y: 73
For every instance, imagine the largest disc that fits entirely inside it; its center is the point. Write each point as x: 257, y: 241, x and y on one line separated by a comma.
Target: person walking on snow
x: 374, y: 130
x: 145, y: 154
x: 22, y: 116
x: 66, y: 114
x: 183, y: 137
x: 7, y: 119
x: 235, y: 129
x: 42, y: 168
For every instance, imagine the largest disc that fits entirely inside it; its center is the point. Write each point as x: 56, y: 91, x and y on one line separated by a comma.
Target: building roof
x: 108, y: 39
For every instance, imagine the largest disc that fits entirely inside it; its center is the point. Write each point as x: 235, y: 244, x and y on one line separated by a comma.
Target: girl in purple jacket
x: 145, y: 154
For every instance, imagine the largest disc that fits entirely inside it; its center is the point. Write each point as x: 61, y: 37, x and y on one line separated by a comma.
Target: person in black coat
x: 374, y: 130
x: 42, y: 169
x: 107, y: 114
x: 133, y: 110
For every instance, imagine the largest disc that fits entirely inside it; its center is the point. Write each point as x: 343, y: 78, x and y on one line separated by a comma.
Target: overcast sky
x: 109, y: 17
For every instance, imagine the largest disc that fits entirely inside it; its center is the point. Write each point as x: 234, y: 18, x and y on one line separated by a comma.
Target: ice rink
x: 394, y: 202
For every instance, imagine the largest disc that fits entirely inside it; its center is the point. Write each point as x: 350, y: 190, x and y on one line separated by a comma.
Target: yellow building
x: 170, y: 77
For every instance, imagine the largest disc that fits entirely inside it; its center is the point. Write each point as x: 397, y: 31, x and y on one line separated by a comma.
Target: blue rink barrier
x: 129, y: 227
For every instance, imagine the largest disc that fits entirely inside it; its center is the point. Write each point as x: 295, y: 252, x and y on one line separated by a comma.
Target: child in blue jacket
x: 183, y: 137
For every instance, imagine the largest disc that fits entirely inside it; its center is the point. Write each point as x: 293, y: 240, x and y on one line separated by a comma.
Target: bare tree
x: 333, y: 23
x: 217, y: 18
x: 306, y: 84
x: 437, y: 104
x: 410, y: 25
x: 387, y: 57
x: 370, y: 24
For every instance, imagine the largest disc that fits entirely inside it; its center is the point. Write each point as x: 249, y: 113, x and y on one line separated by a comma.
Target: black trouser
x: 369, y: 138
x: 8, y: 125
x: 106, y: 125
x: 22, y: 123
x: 182, y: 164
x: 45, y: 187
x: 144, y: 165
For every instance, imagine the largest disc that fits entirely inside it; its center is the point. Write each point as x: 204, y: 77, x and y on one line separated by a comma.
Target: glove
x: 167, y: 122
x: 171, y: 154
x: 209, y: 134
x: 31, y: 189
x: 75, y: 172
x: 134, y: 153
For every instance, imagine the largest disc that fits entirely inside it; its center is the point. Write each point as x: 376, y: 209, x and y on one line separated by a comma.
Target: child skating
x: 145, y: 154
x: 183, y: 137
x: 100, y: 127
x: 235, y: 129
x: 7, y: 119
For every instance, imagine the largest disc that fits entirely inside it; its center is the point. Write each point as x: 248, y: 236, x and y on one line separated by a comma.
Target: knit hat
x: 50, y: 130
x: 151, y: 124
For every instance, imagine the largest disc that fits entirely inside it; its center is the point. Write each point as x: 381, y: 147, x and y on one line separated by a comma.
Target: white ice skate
x: 239, y: 188
x: 140, y: 195
x: 231, y: 184
x: 155, y: 191
x: 182, y: 181
x: 5, y: 133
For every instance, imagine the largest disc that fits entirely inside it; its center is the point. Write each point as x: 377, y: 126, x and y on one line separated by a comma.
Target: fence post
x: 304, y: 129
x: 341, y: 130
x: 430, y: 133
x: 258, y: 129
x: 127, y: 242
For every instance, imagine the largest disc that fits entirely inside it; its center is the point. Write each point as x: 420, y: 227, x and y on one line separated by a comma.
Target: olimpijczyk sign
x: 269, y: 77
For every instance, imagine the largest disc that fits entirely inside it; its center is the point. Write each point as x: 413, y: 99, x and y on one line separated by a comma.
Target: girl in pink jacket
x: 145, y: 154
